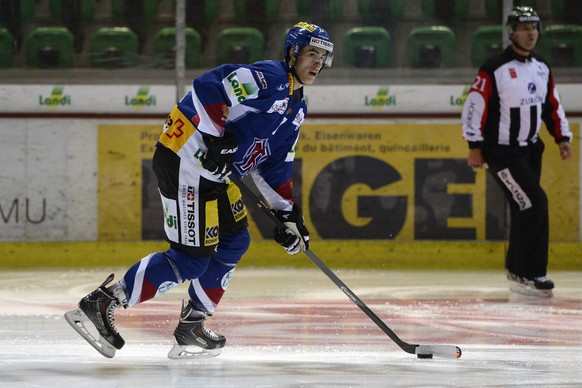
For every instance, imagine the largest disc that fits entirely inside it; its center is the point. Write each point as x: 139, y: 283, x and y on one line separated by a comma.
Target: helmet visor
x: 325, y: 45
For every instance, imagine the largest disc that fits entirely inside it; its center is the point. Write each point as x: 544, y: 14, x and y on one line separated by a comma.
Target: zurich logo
x: 531, y: 87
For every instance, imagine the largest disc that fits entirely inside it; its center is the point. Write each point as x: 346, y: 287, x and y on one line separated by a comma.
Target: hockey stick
x: 422, y: 351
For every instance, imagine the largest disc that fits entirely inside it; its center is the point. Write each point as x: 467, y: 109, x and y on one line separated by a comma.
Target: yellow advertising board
x: 361, y: 177
x: 410, y: 181
x: 123, y: 150
x: 355, y: 180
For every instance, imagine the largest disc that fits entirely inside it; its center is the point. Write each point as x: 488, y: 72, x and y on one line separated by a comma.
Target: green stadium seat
x: 321, y: 12
x: 487, y: 41
x: 494, y: 8
x: 445, y: 11
x: 561, y: 45
x: 75, y: 15
x: 240, y: 45
x: 49, y: 48
x: 165, y: 48
x: 431, y: 47
x: 256, y: 13
x: 14, y: 14
x: 6, y: 48
x: 367, y: 47
x: 114, y: 47
x: 567, y: 11
x: 378, y: 12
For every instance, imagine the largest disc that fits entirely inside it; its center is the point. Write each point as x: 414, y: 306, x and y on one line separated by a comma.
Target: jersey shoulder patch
x: 240, y: 85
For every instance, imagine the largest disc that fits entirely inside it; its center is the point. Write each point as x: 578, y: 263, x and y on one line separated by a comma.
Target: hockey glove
x: 295, y: 237
x: 218, y: 158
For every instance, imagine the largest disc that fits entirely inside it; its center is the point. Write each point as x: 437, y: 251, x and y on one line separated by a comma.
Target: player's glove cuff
x: 295, y: 237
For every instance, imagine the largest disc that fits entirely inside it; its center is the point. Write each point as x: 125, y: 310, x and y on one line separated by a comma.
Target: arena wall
x: 381, y: 176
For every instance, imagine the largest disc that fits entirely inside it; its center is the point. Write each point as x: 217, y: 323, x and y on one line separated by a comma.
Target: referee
x: 510, y: 97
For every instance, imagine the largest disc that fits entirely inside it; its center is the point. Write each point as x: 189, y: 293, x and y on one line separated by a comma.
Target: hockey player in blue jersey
x: 236, y: 119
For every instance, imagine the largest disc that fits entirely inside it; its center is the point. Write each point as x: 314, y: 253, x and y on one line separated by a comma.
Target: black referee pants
x: 518, y: 172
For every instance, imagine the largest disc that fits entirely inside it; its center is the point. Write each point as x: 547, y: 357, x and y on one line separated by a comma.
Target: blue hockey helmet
x: 307, y: 34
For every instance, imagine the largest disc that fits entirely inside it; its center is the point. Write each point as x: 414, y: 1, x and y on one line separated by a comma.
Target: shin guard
x: 206, y: 291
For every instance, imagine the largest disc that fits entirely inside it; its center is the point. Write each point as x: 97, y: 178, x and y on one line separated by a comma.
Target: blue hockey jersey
x: 257, y: 104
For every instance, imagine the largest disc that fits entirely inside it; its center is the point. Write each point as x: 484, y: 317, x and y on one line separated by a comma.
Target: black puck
x: 424, y: 355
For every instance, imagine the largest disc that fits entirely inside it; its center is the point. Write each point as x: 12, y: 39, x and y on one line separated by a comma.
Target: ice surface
x: 294, y: 328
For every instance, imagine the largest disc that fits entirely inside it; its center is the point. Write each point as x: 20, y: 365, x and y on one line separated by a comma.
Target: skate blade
x: 191, y: 352
x: 77, y: 318
x: 525, y: 290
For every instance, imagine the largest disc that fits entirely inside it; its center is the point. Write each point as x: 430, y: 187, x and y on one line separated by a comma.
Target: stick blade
x: 445, y: 351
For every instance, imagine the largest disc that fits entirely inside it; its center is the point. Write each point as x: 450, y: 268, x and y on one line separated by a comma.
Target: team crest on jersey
x: 512, y: 72
x: 255, y: 154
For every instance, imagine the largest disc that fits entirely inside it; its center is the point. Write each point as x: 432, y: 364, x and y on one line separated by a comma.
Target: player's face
x: 309, y: 63
x: 526, y: 35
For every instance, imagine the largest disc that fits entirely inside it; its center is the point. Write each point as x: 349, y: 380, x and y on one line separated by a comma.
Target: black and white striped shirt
x: 508, y: 100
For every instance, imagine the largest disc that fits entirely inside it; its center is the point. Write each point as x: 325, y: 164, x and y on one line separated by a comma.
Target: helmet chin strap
x: 292, y: 67
x: 294, y: 74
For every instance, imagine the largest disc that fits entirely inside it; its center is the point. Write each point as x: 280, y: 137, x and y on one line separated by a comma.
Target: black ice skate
x: 191, y: 332
x: 99, y: 307
x: 539, y: 286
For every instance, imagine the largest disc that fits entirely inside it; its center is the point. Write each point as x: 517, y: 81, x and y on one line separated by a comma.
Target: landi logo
x: 56, y: 99
x: 382, y: 98
x: 241, y: 89
x: 141, y: 99
x: 459, y: 100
